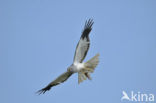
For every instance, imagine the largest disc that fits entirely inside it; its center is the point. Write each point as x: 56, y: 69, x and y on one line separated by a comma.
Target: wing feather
x: 62, y: 78
x: 84, y: 43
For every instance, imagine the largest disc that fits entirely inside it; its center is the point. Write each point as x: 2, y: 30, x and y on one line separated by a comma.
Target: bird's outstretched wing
x: 84, y: 42
x: 57, y: 81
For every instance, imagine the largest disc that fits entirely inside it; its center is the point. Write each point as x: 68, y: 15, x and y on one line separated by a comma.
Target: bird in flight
x: 78, y: 66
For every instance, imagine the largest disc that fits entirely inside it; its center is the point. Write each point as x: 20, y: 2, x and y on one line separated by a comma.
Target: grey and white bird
x: 78, y: 66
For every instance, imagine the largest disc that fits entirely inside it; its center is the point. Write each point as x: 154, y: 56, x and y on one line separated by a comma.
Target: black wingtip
x: 88, y: 24
x: 42, y: 91
x: 87, y: 28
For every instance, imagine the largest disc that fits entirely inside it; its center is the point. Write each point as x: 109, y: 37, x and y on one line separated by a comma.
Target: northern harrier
x: 78, y: 66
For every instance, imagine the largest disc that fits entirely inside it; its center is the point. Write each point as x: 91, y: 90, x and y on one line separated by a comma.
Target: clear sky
x: 38, y: 40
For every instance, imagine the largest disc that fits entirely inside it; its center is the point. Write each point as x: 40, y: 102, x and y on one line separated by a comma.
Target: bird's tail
x: 90, y: 65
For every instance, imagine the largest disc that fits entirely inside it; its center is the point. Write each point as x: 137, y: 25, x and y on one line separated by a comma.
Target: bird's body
x: 78, y: 66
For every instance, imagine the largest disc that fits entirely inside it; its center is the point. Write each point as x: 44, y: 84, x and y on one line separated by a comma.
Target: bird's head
x: 69, y: 69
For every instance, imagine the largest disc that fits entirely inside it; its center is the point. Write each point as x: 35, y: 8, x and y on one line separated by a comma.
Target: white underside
x: 76, y: 67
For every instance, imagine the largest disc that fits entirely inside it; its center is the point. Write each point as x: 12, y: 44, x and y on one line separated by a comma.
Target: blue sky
x: 38, y: 40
